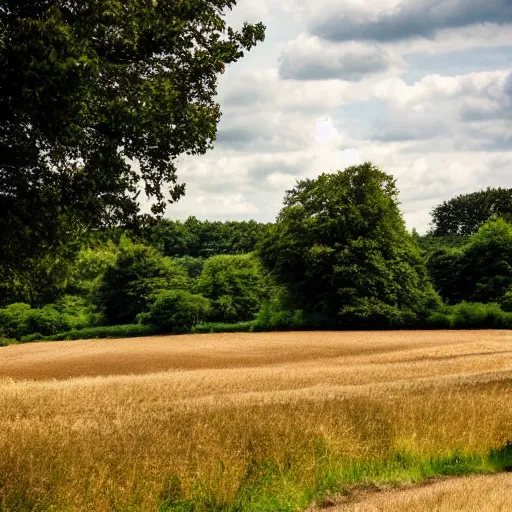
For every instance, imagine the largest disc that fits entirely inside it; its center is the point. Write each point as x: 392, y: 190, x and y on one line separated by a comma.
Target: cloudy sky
x: 422, y: 88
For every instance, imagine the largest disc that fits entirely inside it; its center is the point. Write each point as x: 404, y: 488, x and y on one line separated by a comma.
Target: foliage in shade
x: 235, y: 286
x: 195, y: 238
x: 86, y: 88
x: 139, y: 273
x: 176, y: 311
x: 481, y: 271
x: 341, y: 249
x: 464, y: 214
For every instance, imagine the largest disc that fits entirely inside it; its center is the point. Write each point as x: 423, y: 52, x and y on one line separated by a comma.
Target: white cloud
x: 440, y: 132
x: 325, y: 130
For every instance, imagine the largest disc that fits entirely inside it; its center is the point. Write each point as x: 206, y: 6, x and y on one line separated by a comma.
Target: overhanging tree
x: 89, y: 86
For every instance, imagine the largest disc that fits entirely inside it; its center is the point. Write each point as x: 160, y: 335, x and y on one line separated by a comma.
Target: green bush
x: 69, y: 312
x: 235, y: 286
x: 110, y: 331
x: 77, y: 312
x: 7, y: 341
x: 438, y: 320
x: 14, y: 320
x: 475, y: 315
x: 371, y: 313
x: 176, y: 311
x: 19, y: 319
x: 139, y: 272
x: 211, y: 327
x: 272, y: 318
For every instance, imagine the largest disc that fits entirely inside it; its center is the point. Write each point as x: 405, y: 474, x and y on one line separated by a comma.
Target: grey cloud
x: 499, y: 105
x: 258, y: 172
x: 414, y: 18
x: 508, y: 86
x: 407, y: 126
x: 351, y: 65
x: 257, y: 139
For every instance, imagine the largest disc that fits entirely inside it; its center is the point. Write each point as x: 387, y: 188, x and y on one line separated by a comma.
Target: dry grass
x: 469, y: 494
x: 116, y: 425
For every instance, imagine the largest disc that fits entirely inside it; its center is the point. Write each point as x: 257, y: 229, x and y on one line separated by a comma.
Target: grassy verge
x: 267, y: 488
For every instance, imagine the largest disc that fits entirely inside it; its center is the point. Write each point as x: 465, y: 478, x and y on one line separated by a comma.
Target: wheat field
x: 238, y: 422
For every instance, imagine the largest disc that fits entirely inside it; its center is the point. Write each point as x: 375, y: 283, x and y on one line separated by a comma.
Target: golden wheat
x: 104, y: 425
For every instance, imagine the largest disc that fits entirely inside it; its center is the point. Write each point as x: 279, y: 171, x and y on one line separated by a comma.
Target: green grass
x: 268, y: 487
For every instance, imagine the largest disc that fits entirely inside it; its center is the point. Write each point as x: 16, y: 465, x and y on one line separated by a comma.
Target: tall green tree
x: 341, y: 249
x: 87, y: 87
x: 481, y: 271
x: 235, y: 286
x: 464, y: 214
x: 205, y: 238
x: 139, y: 273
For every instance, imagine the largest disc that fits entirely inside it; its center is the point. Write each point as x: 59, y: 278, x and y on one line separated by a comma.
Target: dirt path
x: 488, y: 493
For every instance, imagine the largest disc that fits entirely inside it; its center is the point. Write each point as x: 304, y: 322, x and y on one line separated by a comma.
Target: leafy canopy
x: 481, y: 271
x: 341, y: 248
x: 139, y: 273
x: 89, y: 86
x: 176, y: 311
x: 464, y: 214
x: 235, y: 286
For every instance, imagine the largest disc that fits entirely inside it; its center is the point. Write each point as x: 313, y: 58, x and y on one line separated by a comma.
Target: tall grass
x: 258, y: 439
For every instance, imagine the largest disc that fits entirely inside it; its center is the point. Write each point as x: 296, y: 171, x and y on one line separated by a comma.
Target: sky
x: 421, y: 88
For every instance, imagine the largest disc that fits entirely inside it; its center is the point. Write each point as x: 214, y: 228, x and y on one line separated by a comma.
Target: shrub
x: 234, y: 284
x: 438, y: 320
x: 211, y: 327
x: 475, y: 315
x: 77, y: 313
x: 109, y: 331
x: 139, y: 273
x: 370, y: 313
x: 19, y: 319
x: 272, y: 317
x: 176, y: 311
x: 14, y: 320
x: 47, y: 321
x: 7, y: 341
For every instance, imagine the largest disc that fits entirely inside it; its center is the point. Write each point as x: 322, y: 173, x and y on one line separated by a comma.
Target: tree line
x: 337, y: 256
x: 88, y: 88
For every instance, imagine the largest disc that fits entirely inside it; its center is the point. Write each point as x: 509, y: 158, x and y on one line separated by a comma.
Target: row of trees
x: 338, y: 255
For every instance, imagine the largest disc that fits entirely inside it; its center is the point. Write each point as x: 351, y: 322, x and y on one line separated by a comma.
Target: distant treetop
x: 464, y: 214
